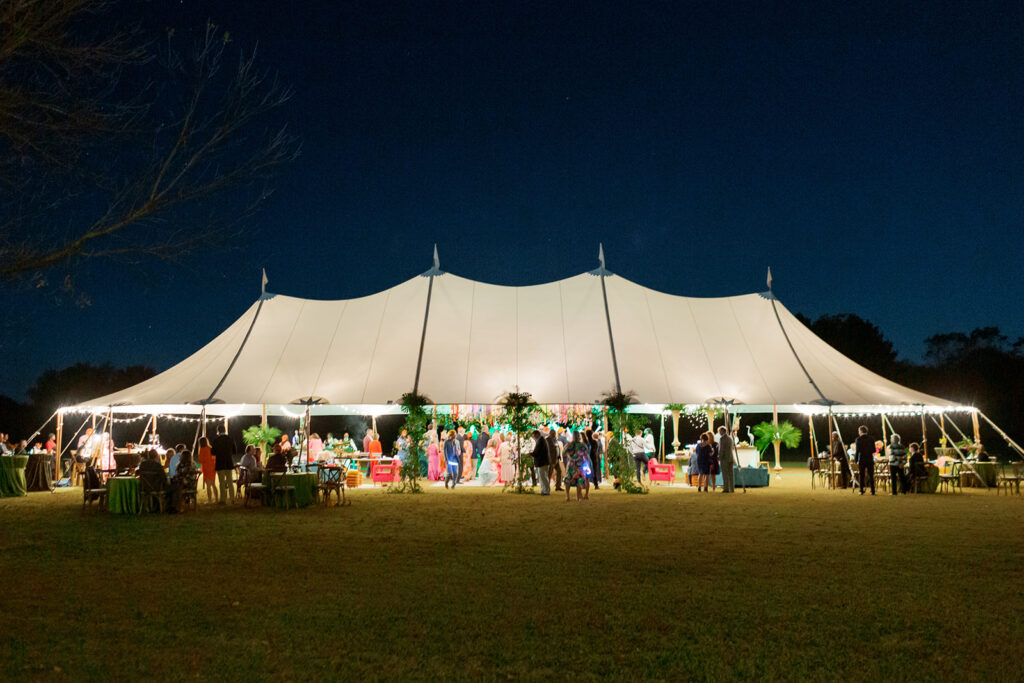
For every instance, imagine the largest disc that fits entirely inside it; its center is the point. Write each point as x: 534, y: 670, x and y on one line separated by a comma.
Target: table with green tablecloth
x: 12, y: 476
x: 750, y: 477
x: 986, y: 470
x: 305, y: 484
x: 123, y: 495
x: 932, y: 484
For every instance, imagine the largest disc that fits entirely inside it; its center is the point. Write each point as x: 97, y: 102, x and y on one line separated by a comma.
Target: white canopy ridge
x: 565, y: 342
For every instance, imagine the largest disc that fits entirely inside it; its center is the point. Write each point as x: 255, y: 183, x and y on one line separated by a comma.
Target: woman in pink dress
x: 433, y: 458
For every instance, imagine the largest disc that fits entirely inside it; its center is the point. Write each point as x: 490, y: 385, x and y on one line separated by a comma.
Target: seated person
x: 277, y: 462
x: 173, y: 458
x: 249, y: 467
x: 983, y: 455
x: 152, y: 472
x: 916, y: 462
x: 186, y: 478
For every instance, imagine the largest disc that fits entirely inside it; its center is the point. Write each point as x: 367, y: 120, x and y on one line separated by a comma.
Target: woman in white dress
x: 489, y: 465
x: 505, y: 457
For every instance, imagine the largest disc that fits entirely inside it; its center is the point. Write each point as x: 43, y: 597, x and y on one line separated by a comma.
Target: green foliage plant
x: 766, y: 433
x: 260, y: 435
x: 621, y: 421
x: 518, y: 409
x: 416, y: 420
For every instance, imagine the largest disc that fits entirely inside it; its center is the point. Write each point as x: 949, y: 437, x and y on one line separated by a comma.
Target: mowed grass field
x: 779, y: 583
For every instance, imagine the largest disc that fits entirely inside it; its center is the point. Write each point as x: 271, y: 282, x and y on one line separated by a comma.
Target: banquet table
x: 987, y: 471
x: 39, y: 472
x: 12, y: 476
x: 305, y: 484
x: 123, y: 496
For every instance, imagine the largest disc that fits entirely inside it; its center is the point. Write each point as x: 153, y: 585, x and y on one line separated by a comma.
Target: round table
x: 123, y: 496
x: 305, y: 484
x: 12, y: 476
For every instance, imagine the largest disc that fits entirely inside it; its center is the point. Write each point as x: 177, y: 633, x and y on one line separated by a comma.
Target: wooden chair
x: 951, y: 480
x: 254, y: 490
x: 1011, y: 481
x: 152, y: 494
x: 331, y: 480
x: 917, y: 482
x: 92, y: 489
x: 278, y: 489
x: 190, y: 498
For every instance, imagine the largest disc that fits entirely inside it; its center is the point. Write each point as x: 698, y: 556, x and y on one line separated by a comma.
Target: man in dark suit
x: 541, y: 461
x: 865, y: 447
x: 223, y: 448
x: 479, y: 446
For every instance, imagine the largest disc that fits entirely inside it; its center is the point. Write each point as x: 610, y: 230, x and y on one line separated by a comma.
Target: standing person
x: 595, y: 457
x: 702, y: 453
x: 839, y: 455
x: 452, y: 458
x: 366, y: 440
x: 508, y: 468
x: 314, y: 446
x: 468, y: 471
x: 716, y: 464
x: 555, y: 455
x: 576, y: 458
x: 433, y: 457
x: 727, y: 457
x: 224, y: 454
x: 865, y: 450
x: 209, y: 465
x: 897, y: 455
x: 637, y: 450
x: 649, y: 448
x: 480, y: 444
x: 541, y: 462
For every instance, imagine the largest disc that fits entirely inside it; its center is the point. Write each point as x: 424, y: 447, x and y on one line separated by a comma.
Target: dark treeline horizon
x: 983, y: 368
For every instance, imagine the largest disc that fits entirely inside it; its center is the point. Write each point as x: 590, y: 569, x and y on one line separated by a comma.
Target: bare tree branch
x: 89, y: 168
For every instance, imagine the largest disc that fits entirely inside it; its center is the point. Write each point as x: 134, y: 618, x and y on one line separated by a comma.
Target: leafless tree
x: 115, y: 145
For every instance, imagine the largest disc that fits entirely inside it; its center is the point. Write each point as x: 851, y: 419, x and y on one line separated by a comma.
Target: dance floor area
x: 783, y: 582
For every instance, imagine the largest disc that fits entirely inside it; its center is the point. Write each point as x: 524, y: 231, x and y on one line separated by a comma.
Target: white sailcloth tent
x: 460, y: 341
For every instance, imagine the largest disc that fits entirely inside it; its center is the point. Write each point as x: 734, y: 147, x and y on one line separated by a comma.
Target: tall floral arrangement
x: 417, y: 418
x: 621, y: 421
x: 518, y: 411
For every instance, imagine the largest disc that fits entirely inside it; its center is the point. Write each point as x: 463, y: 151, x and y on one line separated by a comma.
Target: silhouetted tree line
x: 982, y: 368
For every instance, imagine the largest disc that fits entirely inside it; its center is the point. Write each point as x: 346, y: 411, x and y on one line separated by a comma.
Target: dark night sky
x: 871, y: 153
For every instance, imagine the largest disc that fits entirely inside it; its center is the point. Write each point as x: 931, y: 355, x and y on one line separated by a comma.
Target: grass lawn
x: 782, y: 582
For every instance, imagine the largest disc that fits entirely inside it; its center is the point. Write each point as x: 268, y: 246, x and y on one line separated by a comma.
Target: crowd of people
x: 905, y: 464
x: 560, y: 458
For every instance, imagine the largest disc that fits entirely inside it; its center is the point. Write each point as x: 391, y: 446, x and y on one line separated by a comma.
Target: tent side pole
x: 977, y: 428
x: 924, y: 435
x: 1003, y: 434
x: 60, y: 441
x: 777, y: 443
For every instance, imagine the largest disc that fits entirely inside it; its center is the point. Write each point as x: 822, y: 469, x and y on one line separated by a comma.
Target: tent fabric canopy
x: 481, y: 340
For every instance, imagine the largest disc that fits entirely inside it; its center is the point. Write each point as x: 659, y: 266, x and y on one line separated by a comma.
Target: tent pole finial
x: 600, y: 255
x: 263, y: 285
x: 769, y: 278
x: 437, y: 261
